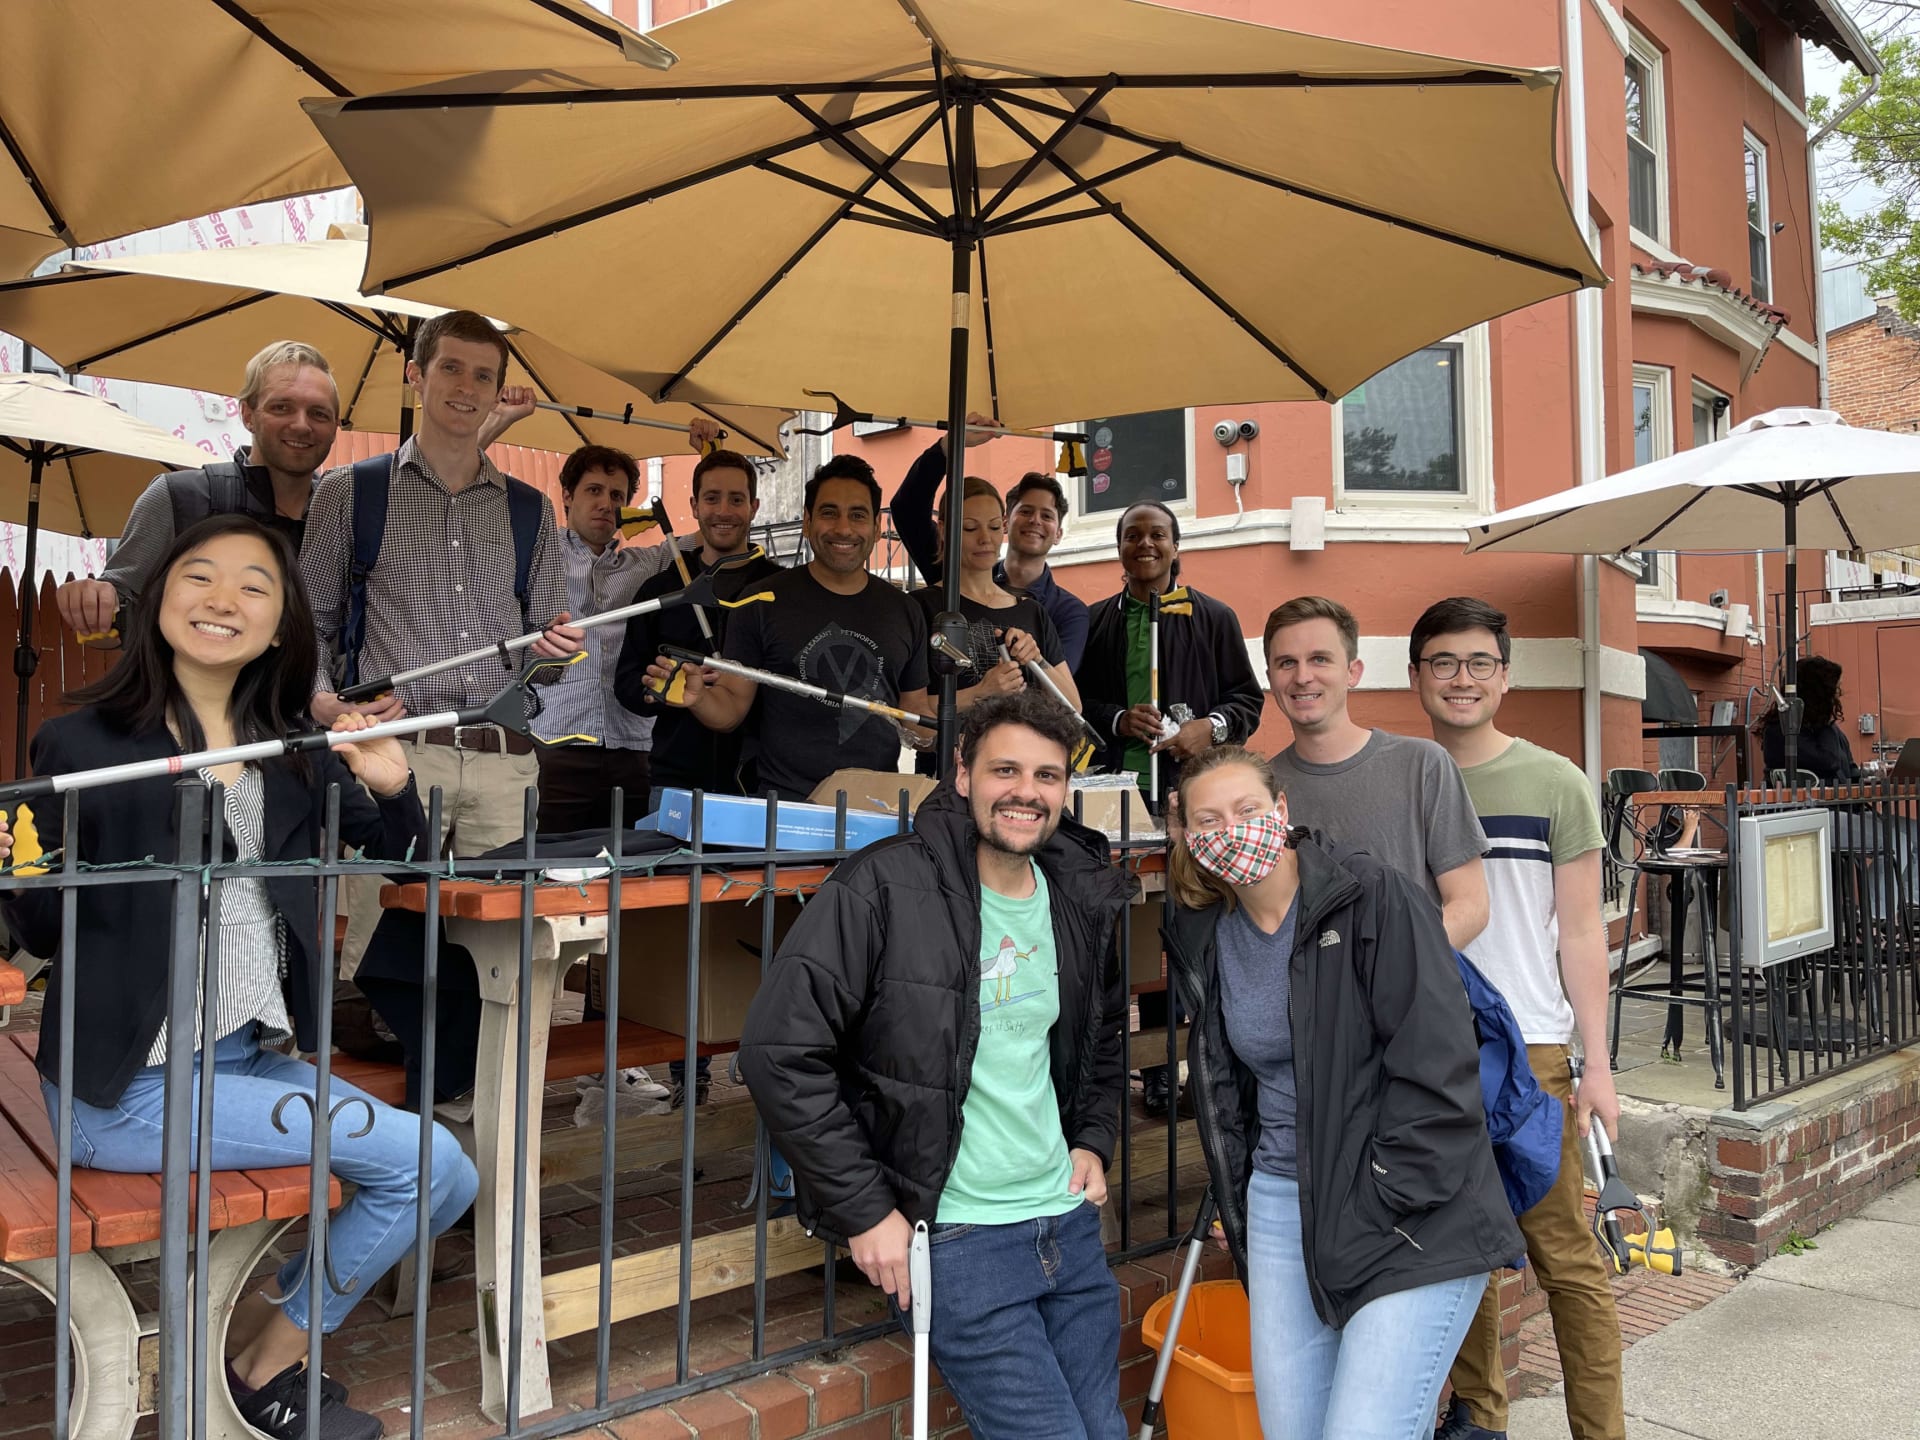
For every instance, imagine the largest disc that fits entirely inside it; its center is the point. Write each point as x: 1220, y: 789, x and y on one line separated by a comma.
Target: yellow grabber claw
x: 26, y: 843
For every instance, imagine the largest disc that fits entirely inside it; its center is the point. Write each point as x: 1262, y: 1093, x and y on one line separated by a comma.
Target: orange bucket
x: 1209, y: 1394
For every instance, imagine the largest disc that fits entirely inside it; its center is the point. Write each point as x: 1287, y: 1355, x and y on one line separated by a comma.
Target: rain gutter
x: 1586, y: 362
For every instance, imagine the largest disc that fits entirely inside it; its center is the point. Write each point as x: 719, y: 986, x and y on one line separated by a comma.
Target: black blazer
x: 120, y: 953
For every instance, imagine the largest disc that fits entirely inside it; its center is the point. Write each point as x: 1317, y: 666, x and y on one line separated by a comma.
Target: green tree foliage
x: 1872, y: 207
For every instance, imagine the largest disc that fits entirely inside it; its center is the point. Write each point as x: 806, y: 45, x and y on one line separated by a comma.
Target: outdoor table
x: 569, y: 924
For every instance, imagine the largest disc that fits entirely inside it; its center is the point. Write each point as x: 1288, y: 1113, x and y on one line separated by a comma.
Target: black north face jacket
x: 859, y: 1047
x: 1398, y: 1186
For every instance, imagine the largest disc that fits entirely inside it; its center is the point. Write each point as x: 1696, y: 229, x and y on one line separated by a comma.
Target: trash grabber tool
x: 797, y: 687
x: 1089, y: 744
x: 1651, y: 1246
x: 698, y: 593
x: 619, y: 417
x: 1196, y: 1238
x: 1153, y: 692
x: 845, y: 415
x: 513, y: 708
x: 920, y: 1281
x: 665, y: 522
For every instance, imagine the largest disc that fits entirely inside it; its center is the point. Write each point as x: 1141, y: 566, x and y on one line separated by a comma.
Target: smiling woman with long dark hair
x: 222, y: 652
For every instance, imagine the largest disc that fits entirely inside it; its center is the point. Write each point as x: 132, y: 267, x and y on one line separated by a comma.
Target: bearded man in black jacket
x: 941, y: 1038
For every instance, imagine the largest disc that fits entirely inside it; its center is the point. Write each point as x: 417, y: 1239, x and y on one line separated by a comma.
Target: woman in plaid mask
x: 1336, y: 1075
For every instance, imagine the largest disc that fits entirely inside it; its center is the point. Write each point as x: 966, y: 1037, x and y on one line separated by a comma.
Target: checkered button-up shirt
x: 443, y: 582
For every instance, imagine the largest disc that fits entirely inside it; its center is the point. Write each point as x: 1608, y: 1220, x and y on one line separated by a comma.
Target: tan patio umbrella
x: 78, y: 463
x: 1129, y: 207
x: 193, y: 318
x: 118, y: 115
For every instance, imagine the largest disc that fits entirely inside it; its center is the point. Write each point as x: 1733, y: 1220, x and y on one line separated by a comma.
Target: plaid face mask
x: 1242, y: 854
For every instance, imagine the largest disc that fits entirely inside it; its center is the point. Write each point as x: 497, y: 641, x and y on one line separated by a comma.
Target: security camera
x: 1721, y: 404
x: 1227, y: 431
x: 1718, y: 599
x: 1249, y: 429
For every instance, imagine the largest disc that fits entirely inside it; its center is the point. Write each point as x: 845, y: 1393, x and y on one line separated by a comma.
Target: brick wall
x: 868, y: 1394
x: 1814, y: 1167
x: 1874, y: 365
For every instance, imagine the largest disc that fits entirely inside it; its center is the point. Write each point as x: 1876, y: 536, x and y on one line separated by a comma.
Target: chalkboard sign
x: 1131, y: 458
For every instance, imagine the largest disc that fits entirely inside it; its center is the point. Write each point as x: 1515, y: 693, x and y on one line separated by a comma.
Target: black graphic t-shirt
x: 984, y: 622
x: 873, y: 644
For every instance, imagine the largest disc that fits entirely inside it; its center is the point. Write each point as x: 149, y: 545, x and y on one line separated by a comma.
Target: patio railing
x: 1812, y: 1016
x: 522, y: 932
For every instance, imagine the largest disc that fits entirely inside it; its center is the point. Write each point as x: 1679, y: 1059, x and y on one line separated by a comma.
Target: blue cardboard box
x: 736, y: 820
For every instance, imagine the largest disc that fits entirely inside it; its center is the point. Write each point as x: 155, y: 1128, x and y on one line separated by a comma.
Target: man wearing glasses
x: 1400, y: 798
x: 1545, y: 948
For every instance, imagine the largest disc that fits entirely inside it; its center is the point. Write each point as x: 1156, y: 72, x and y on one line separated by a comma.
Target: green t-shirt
x: 1013, y: 1162
x: 1135, y: 756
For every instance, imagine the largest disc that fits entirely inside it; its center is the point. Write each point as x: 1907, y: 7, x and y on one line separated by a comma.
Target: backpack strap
x: 524, y: 504
x: 371, y: 479
x: 216, y: 489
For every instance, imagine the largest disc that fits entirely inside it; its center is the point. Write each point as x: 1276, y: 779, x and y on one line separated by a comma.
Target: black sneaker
x: 677, y: 1092
x: 279, y: 1409
x: 1459, y: 1426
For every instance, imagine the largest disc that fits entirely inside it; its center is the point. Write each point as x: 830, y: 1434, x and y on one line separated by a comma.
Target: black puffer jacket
x: 859, y: 1047
x: 1398, y: 1186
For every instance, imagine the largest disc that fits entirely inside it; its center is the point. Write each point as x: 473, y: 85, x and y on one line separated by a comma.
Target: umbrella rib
x: 1319, y: 197
x: 641, y: 197
x: 1118, y: 172
x: 827, y: 131
x: 782, y: 270
x: 722, y: 421
x: 1090, y: 213
x: 1052, y: 143
x: 986, y: 312
x: 40, y: 193
x: 175, y: 328
x: 254, y: 26
x: 1827, y: 487
x: 360, y: 385
x: 534, y: 375
x: 800, y: 177
x: 1173, y: 262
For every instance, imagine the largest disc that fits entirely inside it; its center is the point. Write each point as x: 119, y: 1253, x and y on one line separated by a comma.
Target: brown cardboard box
x: 1146, y: 965
x: 1100, y: 810
x: 653, y: 964
x: 874, y: 790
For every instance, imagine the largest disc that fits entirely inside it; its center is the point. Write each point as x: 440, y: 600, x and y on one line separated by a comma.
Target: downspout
x: 1587, y: 418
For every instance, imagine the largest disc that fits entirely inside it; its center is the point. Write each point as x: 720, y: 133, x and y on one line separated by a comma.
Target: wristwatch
x: 1219, y: 723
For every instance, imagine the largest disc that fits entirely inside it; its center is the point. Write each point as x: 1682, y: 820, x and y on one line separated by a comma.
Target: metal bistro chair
x: 1692, y: 875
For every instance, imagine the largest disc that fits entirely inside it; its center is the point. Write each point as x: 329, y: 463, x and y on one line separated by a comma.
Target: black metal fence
x: 1805, y: 1018
x: 517, y: 955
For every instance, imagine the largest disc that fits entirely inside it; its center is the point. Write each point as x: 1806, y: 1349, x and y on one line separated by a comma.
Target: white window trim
x: 1476, y: 448
x: 1655, y: 101
x: 1080, y: 488
x: 1660, y: 379
x: 1752, y: 144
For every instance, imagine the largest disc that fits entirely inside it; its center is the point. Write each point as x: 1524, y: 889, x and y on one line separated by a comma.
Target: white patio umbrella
x: 98, y: 458
x: 1787, y: 478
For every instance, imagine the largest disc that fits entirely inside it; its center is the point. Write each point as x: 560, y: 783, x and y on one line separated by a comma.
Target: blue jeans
x: 1377, y: 1379
x: 367, y: 1234
x: 1026, y: 1328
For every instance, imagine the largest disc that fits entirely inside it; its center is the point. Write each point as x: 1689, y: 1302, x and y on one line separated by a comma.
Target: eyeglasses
x: 1480, y: 666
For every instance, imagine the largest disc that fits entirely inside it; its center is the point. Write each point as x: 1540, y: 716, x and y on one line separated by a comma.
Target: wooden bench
x: 116, y: 1220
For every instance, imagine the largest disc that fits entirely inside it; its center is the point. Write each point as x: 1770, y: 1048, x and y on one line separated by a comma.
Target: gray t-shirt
x: 1400, y: 799
x: 1255, y: 995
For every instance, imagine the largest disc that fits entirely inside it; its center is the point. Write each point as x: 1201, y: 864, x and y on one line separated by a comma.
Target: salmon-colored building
x: 1702, y: 212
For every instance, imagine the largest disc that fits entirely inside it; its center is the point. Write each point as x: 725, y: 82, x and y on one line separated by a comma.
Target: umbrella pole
x: 25, y: 658
x: 963, y: 243
x: 1790, y: 712
x: 406, y: 390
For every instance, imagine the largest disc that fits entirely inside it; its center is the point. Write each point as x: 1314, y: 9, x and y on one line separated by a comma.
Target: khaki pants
x: 482, y: 804
x: 1586, y: 1328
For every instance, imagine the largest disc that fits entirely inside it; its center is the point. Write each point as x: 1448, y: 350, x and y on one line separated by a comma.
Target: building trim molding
x: 1712, y: 311
x: 1850, y: 612
x: 1615, y: 25
x: 1754, y: 72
